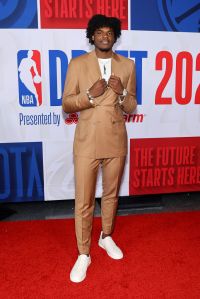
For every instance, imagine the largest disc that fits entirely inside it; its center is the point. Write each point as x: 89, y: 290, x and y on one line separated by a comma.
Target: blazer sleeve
x: 130, y: 103
x: 73, y: 100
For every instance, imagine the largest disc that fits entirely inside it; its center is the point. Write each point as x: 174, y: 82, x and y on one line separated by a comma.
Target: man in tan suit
x: 101, y: 85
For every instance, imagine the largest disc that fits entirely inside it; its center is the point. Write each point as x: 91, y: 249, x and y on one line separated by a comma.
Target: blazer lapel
x: 115, y: 65
x: 94, y: 68
x: 95, y: 72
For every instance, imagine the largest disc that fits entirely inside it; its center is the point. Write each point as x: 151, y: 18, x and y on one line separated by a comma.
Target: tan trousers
x: 86, y: 170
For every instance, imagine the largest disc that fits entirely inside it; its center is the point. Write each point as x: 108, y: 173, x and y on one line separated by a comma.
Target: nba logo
x: 29, y: 78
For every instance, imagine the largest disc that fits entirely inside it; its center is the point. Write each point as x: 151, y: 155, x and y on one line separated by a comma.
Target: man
x: 101, y: 85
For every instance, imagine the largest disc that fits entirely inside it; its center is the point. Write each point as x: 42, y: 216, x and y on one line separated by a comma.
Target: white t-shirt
x: 105, y: 67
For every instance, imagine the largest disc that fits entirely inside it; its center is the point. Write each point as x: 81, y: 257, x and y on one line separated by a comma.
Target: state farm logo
x: 72, y: 118
x: 134, y: 118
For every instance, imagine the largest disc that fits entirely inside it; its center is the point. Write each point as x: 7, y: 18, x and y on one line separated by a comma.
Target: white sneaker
x: 78, y: 272
x: 110, y: 247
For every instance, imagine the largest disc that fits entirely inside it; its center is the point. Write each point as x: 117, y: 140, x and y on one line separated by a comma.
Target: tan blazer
x: 100, y: 132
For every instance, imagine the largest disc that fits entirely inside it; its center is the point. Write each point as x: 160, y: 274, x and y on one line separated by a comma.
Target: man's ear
x: 93, y: 37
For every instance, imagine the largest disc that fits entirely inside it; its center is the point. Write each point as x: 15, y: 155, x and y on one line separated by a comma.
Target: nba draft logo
x: 29, y: 78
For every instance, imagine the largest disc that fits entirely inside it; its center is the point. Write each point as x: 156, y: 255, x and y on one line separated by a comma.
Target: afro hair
x: 100, y: 21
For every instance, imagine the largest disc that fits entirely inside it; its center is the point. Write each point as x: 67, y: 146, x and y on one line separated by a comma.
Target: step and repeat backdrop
x: 37, y: 41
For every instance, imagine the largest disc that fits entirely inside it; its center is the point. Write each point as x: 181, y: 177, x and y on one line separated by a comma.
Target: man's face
x: 103, y: 38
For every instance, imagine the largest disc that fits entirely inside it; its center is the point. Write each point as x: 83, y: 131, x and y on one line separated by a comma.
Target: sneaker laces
x: 111, y: 242
x: 81, y: 262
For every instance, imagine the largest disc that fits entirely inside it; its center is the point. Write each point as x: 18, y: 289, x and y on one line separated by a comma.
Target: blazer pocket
x: 119, y: 130
x: 119, y: 125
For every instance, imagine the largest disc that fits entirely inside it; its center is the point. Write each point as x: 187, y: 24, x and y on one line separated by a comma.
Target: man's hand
x: 98, y: 88
x: 115, y: 83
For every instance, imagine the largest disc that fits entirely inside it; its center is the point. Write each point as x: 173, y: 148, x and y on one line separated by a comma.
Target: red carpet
x: 162, y: 258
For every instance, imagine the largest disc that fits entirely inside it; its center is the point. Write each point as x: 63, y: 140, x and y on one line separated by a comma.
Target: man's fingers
x: 112, y: 83
x: 102, y: 81
x: 112, y: 79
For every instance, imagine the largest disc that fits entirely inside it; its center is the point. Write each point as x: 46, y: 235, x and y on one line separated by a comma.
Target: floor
x: 127, y: 205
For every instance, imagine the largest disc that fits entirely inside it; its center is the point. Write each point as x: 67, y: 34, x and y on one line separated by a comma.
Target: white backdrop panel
x: 173, y: 120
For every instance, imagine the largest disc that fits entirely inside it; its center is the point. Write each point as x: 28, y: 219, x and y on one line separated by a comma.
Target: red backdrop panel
x: 164, y: 165
x: 75, y: 14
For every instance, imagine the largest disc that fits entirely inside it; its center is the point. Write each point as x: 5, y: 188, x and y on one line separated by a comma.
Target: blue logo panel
x: 180, y: 15
x: 21, y: 172
x: 165, y: 15
x: 18, y: 14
